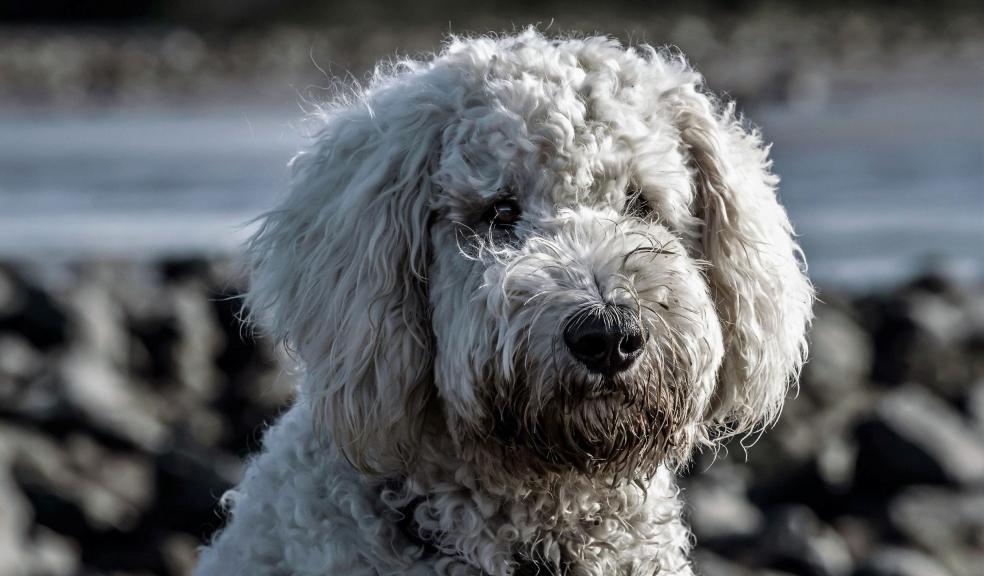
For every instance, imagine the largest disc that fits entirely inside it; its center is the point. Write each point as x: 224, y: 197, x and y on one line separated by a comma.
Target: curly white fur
x: 441, y: 425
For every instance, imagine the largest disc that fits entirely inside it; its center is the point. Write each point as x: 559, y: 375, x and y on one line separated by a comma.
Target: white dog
x: 525, y: 279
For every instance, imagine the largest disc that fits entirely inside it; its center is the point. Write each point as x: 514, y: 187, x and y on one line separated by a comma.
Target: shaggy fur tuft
x: 449, y: 227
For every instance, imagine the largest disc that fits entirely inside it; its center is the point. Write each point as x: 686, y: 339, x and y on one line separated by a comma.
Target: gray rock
x: 14, y: 520
x: 96, y: 488
x: 719, y: 507
x: 110, y: 401
x: 180, y: 553
x: 18, y: 359
x: 948, y: 524
x: 922, y: 334
x: 26, y: 548
x: 797, y: 541
x: 51, y: 554
x: 20, y: 363
x: 975, y: 404
x: 895, y: 561
x: 710, y: 564
x: 914, y: 438
x: 840, y: 355
x: 29, y: 311
x: 120, y: 442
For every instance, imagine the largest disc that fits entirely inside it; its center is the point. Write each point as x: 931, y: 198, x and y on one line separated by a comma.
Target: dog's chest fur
x: 526, y: 560
x: 328, y: 519
x: 573, y: 527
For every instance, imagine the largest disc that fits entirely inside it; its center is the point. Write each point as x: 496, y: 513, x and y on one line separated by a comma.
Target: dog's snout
x: 607, y: 341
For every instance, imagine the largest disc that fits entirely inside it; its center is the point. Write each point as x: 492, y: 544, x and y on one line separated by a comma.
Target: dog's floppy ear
x: 762, y: 297
x: 339, y: 271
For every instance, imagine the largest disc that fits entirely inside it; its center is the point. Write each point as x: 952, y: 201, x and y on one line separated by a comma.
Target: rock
x: 19, y: 360
x: 840, y: 353
x: 200, y: 341
x: 26, y: 548
x: 914, y: 438
x: 77, y: 486
x: 921, y: 334
x: 108, y: 400
x: 975, y: 404
x: 719, y: 508
x: 709, y: 564
x: 181, y: 553
x: 861, y: 534
x: 948, y: 524
x: 14, y: 520
x: 836, y: 460
x: 28, y: 311
x: 810, y: 456
x: 895, y: 561
x: 51, y: 554
x: 796, y: 541
x: 20, y: 363
x: 154, y: 342
x: 98, y: 311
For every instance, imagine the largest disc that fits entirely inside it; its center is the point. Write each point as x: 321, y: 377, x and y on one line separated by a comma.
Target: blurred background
x: 138, y: 139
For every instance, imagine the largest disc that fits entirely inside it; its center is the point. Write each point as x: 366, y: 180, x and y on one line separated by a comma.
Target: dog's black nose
x: 607, y: 340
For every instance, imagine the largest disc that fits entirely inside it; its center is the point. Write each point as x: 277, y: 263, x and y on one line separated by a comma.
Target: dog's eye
x: 636, y: 204
x: 503, y: 213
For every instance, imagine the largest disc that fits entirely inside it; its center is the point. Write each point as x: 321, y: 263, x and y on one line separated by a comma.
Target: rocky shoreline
x: 130, y: 392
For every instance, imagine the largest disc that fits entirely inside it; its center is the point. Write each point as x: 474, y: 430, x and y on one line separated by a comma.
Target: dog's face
x: 569, y: 320
x: 564, y: 243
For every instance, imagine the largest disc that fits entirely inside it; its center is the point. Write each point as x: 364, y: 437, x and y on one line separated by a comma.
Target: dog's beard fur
x: 617, y: 432
x: 622, y: 426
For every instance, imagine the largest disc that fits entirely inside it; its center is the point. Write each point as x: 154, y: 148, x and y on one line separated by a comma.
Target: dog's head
x: 566, y: 245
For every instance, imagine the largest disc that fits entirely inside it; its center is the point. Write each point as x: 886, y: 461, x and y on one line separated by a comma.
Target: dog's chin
x: 601, y: 425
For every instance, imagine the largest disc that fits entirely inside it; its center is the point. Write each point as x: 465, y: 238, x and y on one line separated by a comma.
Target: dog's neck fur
x: 474, y: 507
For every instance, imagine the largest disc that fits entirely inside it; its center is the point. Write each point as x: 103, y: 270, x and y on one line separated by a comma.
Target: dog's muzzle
x: 606, y: 340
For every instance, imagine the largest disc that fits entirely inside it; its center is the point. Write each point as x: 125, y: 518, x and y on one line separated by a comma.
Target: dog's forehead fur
x: 566, y: 123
